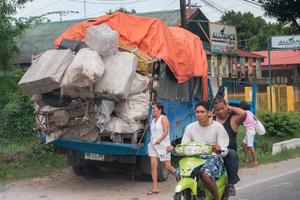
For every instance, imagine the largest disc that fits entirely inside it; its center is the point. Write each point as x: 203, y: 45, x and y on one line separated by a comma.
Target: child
x: 248, y: 141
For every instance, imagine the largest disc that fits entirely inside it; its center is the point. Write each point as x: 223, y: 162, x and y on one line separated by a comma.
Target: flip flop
x: 255, y: 164
x: 150, y: 192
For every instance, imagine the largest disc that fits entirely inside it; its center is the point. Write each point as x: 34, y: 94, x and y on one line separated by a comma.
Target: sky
x: 213, y: 9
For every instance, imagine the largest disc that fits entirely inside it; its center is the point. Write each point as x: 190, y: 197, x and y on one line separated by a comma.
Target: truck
x: 85, y: 156
x: 178, y: 95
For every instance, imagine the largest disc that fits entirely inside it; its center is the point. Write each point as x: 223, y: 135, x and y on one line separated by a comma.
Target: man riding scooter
x: 207, y: 131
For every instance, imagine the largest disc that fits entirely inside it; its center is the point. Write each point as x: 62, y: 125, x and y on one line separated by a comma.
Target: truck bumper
x: 106, y: 148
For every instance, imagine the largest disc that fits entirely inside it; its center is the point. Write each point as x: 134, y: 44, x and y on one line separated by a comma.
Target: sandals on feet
x: 150, y: 192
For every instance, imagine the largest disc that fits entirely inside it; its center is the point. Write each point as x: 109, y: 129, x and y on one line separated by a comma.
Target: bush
x: 16, y: 112
x: 280, y: 124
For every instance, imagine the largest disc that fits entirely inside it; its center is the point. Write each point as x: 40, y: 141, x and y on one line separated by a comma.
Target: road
x: 266, y: 182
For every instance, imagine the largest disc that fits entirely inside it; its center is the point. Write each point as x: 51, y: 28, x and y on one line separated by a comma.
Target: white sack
x: 103, y: 112
x: 86, y: 68
x: 135, y: 108
x: 78, y: 92
x: 117, y: 125
x: 139, y: 84
x: 102, y: 39
x: 45, y: 73
x: 119, y: 73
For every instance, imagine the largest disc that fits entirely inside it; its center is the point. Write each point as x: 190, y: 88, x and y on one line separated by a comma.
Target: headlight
x: 190, y: 151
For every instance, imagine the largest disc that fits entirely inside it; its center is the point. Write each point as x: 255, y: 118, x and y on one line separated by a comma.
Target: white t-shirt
x: 215, y: 133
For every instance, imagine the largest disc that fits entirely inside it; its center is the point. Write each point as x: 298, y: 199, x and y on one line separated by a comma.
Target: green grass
x: 264, y: 149
x: 28, y: 159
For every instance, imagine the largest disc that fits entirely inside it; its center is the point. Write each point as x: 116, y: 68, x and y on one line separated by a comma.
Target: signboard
x: 223, y: 38
x: 286, y: 42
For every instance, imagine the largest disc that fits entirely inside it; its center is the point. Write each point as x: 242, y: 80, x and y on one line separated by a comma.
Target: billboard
x: 223, y: 38
x: 286, y: 42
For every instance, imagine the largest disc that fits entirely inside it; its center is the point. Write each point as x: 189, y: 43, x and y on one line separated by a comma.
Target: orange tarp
x: 180, y: 49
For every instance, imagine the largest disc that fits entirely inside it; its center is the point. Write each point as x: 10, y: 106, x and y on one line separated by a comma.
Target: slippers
x: 255, y: 164
x: 150, y: 192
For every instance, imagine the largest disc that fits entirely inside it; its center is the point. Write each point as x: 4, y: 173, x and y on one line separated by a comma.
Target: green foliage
x: 281, y: 124
x: 34, y: 160
x: 10, y: 27
x: 16, y: 112
x: 123, y: 10
x: 287, y: 11
x: 252, y: 32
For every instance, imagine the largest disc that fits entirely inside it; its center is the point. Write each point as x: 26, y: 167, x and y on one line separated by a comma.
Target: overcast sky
x: 213, y: 9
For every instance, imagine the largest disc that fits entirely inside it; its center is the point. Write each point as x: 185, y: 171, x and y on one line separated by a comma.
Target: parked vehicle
x: 111, y: 149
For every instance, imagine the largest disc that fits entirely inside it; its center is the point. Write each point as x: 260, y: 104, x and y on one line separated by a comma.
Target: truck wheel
x: 78, y: 170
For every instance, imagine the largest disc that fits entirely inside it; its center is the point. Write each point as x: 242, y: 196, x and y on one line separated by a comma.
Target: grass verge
x: 28, y: 159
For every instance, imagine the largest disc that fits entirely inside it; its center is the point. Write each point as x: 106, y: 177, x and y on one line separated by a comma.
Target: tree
x: 287, y: 11
x: 10, y: 27
x: 252, y: 32
x: 123, y: 10
x: 247, y: 25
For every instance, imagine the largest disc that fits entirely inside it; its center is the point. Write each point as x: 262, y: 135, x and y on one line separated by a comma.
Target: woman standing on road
x: 160, y: 140
x: 248, y: 141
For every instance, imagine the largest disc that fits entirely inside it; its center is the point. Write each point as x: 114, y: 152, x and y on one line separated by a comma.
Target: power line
x: 105, y: 3
x: 252, y: 2
x: 106, y: 10
x: 213, y: 6
x: 169, y: 5
x: 47, y: 6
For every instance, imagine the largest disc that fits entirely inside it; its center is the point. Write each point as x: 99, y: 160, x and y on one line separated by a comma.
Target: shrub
x: 280, y: 124
x: 16, y: 112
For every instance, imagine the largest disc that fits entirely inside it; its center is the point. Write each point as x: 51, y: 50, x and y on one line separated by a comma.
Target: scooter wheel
x: 177, y: 196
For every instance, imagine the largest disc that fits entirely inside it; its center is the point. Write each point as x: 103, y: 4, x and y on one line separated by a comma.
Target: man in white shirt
x: 208, y: 131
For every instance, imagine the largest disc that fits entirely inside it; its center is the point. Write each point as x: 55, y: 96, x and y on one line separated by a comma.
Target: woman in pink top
x: 248, y: 141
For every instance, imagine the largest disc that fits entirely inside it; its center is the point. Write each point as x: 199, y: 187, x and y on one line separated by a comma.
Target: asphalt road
x: 278, y: 181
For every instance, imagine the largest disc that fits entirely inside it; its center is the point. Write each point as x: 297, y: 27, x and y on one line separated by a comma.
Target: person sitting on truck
x: 160, y: 140
x: 231, y: 118
x: 208, y: 131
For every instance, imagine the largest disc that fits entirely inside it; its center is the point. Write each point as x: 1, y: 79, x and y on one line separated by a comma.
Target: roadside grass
x: 21, y: 160
x: 264, y: 149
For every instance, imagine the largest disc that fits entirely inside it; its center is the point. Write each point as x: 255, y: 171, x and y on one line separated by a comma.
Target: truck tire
x: 78, y: 170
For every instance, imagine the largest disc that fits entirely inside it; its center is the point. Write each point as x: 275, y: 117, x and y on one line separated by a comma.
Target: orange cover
x: 180, y: 49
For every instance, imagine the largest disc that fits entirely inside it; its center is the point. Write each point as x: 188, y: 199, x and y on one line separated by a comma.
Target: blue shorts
x: 213, y: 166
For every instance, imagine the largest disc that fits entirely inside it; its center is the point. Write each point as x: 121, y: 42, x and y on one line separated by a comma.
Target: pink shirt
x: 249, y: 122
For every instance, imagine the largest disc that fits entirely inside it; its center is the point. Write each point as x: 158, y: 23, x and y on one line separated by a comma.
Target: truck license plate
x: 94, y: 156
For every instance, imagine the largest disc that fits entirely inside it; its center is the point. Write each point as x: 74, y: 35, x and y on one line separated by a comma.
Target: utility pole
x: 189, y: 4
x: 84, y: 9
x: 182, y: 13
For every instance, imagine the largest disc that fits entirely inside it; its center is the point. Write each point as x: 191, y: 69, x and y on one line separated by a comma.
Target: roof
x: 37, y: 38
x: 280, y: 57
x: 242, y: 53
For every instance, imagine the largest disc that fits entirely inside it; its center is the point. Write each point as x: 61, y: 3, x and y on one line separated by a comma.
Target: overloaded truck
x: 92, y: 94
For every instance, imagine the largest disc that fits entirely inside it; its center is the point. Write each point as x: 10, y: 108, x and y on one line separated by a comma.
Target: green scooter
x: 190, y: 187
